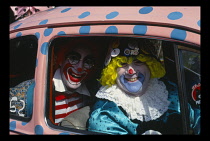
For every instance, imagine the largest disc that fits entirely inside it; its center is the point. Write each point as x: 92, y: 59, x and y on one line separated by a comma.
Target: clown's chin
x: 73, y: 86
x: 134, y: 91
x: 134, y: 88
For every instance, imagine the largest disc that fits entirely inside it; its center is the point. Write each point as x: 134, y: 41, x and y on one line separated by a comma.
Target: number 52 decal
x: 13, y: 107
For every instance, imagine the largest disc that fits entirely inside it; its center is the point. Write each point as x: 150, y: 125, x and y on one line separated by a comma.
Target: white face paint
x: 133, y: 78
x: 76, y: 67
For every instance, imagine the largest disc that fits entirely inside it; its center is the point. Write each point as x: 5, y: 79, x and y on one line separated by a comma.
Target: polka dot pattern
x: 43, y: 22
x: 12, y: 125
x: 84, y: 30
x: 65, y: 10
x: 38, y: 130
x: 44, y: 48
x: 111, y: 30
x: 24, y: 123
x: 37, y: 34
x: 51, y: 9
x: 18, y: 34
x: 178, y: 34
x: 175, y: 15
x: 140, y: 29
x: 83, y: 15
x: 17, y: 26
x: 61, y: 33
x: 48, y: 31
x: 112, y: 15
x: 146, y: 10
x: 199, y: 23
x: 105, y: 114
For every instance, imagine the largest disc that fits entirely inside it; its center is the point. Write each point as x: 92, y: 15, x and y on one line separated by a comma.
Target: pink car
x: 36, y: 39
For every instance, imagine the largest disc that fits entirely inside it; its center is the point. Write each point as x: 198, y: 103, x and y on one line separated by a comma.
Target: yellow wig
x: 109, y: 73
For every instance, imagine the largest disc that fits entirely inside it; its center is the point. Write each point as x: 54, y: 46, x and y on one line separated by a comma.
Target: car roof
x: 187, y: 18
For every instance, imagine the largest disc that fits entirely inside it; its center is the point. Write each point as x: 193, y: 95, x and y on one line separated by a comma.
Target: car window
x: 191, y: 61
x: 23, y: 51
x: 103, y: 115
x: 191, y: 65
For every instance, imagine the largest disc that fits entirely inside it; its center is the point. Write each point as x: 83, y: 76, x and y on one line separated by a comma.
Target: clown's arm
x: 107, y: 117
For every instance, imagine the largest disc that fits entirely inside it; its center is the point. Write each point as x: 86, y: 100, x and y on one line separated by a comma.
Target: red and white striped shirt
x: 65, y: 101
x: 65, y: 104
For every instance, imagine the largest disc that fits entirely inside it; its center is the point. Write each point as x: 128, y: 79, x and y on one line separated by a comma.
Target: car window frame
x: 16, y: 117
x: 174, y: 42
x: 178, y: 47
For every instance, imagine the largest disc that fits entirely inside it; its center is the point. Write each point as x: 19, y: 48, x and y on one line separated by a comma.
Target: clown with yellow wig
x: 133, y: 99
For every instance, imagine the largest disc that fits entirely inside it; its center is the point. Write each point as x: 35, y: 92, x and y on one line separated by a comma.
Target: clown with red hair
x: 76, y: 61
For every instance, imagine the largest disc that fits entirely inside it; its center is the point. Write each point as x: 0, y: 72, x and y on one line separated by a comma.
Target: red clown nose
x: 130, y: 71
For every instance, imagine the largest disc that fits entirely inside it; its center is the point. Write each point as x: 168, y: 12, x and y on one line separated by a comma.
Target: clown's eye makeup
x: 74, y: 58
x: 124, y: 64
x: 137, y: 62
x: 89, y: 62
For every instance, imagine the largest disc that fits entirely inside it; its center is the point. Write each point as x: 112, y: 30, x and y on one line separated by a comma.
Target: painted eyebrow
x: 89, y: 57
x: 73, y: 53
x: 136, y: 59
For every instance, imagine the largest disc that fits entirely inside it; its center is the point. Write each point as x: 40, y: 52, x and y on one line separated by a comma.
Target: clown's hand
x: 151, y: 132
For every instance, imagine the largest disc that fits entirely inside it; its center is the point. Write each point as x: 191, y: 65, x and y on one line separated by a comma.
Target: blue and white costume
x: 115, y: 112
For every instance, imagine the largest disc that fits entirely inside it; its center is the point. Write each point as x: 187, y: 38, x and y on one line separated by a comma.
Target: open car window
x: 78, y: 118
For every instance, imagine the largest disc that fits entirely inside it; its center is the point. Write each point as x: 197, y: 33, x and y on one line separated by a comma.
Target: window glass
x: 23, y: 52
x: 191, y: 63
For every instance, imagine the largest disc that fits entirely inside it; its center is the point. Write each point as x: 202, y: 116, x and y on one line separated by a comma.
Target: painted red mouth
x: 73, y: 76
x: 69, y: 74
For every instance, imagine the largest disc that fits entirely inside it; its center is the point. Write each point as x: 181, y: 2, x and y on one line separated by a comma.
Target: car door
x: 182, y: 63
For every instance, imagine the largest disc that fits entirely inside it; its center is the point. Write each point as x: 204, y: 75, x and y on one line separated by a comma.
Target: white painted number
x: 13, y: 108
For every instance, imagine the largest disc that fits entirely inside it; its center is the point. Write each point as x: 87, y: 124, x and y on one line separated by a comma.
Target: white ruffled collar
x: 149, y: 106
